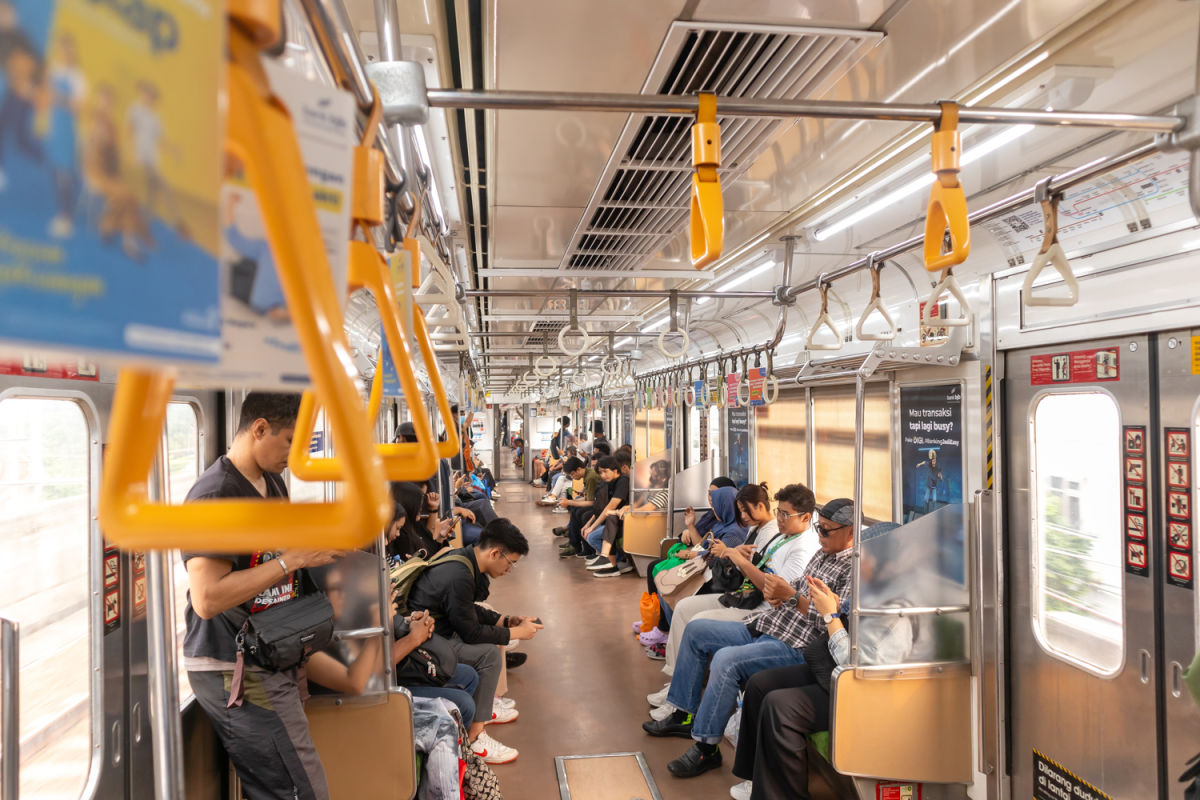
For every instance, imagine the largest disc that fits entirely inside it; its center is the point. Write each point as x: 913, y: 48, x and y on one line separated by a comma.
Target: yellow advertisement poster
x: 111, y: 144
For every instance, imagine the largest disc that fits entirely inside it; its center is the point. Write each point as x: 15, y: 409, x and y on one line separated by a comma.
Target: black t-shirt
x: 214, y: 638
x: 620, y: 490
x: 602, y: 495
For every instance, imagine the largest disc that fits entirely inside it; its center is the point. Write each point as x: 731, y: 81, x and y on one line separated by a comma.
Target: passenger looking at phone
x: 737, y: 650
x: 420, y: 534
x: 604, y: 529
x: 255, y: 710
x: 580, y: 505
x: 451, y: 591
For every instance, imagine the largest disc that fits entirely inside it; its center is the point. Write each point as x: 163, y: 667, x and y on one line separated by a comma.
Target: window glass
x: 833, y: 448
x: 714, y: 438
x: 1078, y: 529
x: 45, y: 544
x: 781, y: 438
x: 693, y: 436
x: 181, y: 435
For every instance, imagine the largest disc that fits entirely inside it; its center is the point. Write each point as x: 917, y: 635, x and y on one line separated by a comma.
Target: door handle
x: 1144, y: 658
x: 117, y: 744
x: 10, y: 696
x: 136, y: 714
x: 1176, y: 679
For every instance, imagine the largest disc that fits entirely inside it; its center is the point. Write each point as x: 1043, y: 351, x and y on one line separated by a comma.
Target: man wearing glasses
x: 451, y: 591
x: 765, y: 640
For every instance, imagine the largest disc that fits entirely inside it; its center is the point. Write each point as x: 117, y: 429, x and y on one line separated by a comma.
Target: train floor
x: 583, y: 689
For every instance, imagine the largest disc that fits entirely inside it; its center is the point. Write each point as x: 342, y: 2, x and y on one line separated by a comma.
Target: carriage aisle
x: 583, y: 689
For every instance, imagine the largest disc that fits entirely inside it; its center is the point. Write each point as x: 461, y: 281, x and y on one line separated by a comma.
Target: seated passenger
x: 561, y: 481
x: 606, y: 527
x: 656, y: 498
x: 256, y: 712
x: 579, y: 504
x: 782, y: 705
x: 450, y: 591
x: 783, y: 544
x: 413, y: 537
x: 767, y: 639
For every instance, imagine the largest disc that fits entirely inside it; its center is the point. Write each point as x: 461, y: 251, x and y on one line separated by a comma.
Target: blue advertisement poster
x: 391, y: 381
x: 738, y: 448
x: 669, y: 428
x: 931, y: 433
x: 627, y: 423
x: 111, y: 156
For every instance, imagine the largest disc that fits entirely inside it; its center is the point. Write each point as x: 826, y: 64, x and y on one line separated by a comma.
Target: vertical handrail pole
x: 860, y: 409
x: 166, y: 735
x: 10, y: 697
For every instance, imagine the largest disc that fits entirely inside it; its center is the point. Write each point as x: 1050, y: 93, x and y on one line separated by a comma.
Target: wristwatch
x: 828, y: 618
x: 793, y: 601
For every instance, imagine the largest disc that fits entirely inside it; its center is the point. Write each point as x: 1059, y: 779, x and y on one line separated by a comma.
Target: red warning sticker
x: 897, y: 791
x: 1179, y: 534
x: 1136, y: 555
x: 1135, y: 525
x: 1179, y: 568
x: 112, y: 568
x: 1078, y: 366
x: 112, y: 610
x: 1179, y: 505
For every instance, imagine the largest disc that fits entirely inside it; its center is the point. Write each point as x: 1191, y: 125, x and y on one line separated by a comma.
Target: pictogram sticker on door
x: 1136, y: 555
x: 1179, y: 569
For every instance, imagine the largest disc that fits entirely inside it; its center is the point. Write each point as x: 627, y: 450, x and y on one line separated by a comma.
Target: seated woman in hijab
x: 413, y: 538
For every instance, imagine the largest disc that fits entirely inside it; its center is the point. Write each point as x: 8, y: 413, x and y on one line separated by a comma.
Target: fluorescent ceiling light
x: 623, y: 342
x: 917, y: 184
x: 740, y: 279
x: 658, y: 323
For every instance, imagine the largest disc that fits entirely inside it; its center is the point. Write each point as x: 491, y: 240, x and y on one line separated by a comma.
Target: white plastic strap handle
x: 770, y: 389
x: 824, y: 320
x: 549, y: 370
x: 948, y: 285
x: 573, y: 329
x: 685, y: 342
x: 743, y: 401
x: 877, y: 305
x: 1051, y: 254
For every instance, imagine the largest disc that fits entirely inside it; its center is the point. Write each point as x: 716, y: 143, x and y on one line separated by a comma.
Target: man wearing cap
x: 768, y: 639
x: 475, y: 513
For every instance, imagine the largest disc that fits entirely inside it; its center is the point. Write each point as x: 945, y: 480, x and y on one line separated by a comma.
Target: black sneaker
x: 560, y: 531
x: 678, y: 724
x: 606, y: 572
x: 512, y: 659
x: 568, y: 551
x: 699, y: 758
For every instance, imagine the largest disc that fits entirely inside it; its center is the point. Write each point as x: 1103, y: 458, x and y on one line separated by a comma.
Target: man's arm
x: 216, y: 586
x: 463, y: 615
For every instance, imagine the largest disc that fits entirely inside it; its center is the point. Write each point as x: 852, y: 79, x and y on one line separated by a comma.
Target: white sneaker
x: 597, y: 562
x: 501, y: 715
x: 662, y: 712
x: 741, y: 791
x: 503, y: 702
x: 659, y: 697
x: 491, y: 751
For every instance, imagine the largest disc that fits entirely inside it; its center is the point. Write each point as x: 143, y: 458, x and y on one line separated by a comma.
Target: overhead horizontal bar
x: 656, y: 293
x: 686, y: 105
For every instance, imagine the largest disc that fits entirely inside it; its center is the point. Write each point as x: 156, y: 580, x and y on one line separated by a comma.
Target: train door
x: 1102, y: 610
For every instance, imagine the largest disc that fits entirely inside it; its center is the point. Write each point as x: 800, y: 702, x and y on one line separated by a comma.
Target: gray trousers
x: 487, y: 661
x: 267, y: 736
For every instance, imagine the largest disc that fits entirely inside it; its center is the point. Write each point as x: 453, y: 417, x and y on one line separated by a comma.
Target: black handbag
x: 286, y: 634
x: 745, y: 599
x: 819, y: 659
x: 431, y: 664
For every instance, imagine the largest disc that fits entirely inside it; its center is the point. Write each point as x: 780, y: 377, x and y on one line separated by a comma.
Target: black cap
x: 839, y: 511
x: 406, y: 430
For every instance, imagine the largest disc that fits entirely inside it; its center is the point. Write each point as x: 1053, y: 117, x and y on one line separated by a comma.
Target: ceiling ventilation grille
x: 544, y: 333
x: 642, y: 199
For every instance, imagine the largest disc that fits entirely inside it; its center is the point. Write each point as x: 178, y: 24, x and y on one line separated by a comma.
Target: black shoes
x: 560, y: 531
x: 699, y: 758
x: 678, y: 724
x: 514, y: 659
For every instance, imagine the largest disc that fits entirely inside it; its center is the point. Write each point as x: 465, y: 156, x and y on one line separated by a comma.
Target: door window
x: 181, y: 437
x: 1078, y: 530
x: 45, y: 544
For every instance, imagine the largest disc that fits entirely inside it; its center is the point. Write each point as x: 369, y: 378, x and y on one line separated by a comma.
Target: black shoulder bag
x: 431, y: 664
x: 283, y: 636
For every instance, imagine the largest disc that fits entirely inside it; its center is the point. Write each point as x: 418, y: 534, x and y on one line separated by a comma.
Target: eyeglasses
x: 781, y: 515
x: 511, y: 561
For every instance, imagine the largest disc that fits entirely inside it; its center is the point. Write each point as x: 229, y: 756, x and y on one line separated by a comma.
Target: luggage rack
x: 884, y: 356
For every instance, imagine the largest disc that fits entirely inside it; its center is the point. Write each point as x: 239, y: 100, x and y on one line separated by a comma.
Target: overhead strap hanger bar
x: 707, y: 207
x: 260, y: 133
x: 875, y: 304
x: 573, y: 328
x: 1050, y: 254
x: 673, y: 327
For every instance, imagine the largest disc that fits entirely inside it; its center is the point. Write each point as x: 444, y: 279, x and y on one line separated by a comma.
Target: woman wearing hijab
x: 414, y: 538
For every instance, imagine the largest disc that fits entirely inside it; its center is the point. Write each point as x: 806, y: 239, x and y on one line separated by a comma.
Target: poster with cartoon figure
x: 110, y: 154
x: 931, y: 447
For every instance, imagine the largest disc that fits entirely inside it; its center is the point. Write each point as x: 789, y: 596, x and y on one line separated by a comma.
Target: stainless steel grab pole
x: 165, y: 732
x: 10, y: 698
x: 387, y: 31
x: 656, y: 293
x: 685, y: 105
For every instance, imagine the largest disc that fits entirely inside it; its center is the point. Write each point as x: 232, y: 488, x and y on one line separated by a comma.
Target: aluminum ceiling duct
x: 642, y: 199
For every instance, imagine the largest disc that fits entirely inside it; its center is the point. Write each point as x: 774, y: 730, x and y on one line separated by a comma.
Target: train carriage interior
x: 543, y: 399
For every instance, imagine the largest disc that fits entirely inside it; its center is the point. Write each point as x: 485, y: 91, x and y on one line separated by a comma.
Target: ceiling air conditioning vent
x: 642, y: 199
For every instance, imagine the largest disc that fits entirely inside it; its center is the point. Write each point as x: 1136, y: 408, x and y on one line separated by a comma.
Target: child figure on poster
x: 22, y: 67
x: 146, y: 132
x: 933, y: 480
x: 67, y: 88
x: 120, y: 214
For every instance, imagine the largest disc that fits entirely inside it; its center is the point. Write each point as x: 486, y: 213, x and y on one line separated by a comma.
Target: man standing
x: 257, y: 713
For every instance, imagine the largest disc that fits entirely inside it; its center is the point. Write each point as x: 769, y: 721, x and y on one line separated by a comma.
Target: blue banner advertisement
x: 931, y: 452
x: 738, y: 445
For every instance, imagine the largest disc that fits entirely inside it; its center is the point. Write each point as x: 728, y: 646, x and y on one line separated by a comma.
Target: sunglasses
x: 829, y: 531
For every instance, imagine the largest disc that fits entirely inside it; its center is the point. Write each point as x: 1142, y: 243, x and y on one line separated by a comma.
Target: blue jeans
x: 458, y: 690
x: 736, y: 655
x: 596, y: 538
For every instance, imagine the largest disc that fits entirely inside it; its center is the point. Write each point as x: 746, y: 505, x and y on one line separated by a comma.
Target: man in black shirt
x: 601, y: 535
x: 257, y: 713
x: 451, y: 591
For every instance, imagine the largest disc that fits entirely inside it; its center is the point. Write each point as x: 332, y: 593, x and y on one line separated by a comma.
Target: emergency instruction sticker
x: 1177, y: 442
x: 111, y: 154
x: 1079, y: 366
x: 1136, y: 561
x: 1052, y: 781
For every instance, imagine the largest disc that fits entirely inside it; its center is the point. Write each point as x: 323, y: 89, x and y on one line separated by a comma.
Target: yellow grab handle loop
x: 451, y: 444
x: 875, y: 304
x: 948, y: 285
x: 367, y: 191
x: 402, y: 461
x: 826, y: 321
x: 707, y: 208
x: 1050, y: 254
x: 261, y: 20
x: 947, y: 202
x: 261, y: 134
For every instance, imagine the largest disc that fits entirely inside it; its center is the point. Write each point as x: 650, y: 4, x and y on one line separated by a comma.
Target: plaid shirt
x: 790, y: 626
